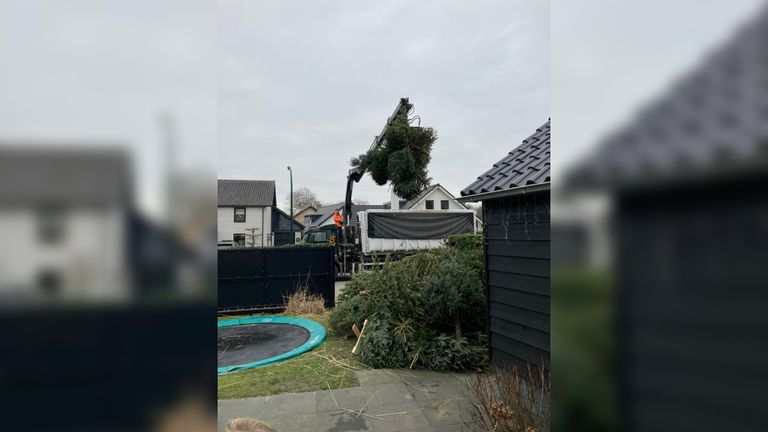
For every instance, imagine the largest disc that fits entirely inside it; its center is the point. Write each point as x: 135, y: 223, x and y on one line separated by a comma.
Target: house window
x: 239, y: 214
x: 443, y: 204
x: 51, y: 224
x: 430, y: 205
x: 50, y: 282
x: 238, y: 239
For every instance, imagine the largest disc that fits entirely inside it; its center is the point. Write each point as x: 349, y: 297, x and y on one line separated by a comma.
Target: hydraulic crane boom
x: 355, y: 174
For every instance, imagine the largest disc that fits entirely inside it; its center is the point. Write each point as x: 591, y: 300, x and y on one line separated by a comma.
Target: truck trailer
x: 382, y: 235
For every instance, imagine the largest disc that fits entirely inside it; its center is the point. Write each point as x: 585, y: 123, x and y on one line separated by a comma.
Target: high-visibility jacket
x: 338, y: 219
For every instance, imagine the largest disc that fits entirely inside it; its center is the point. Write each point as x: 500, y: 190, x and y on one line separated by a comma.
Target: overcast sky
x: 101, y: 73
x: 611, y: 58
x: 309, y: 84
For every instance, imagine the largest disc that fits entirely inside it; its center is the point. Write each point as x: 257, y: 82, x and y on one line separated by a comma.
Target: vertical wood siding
x: 517, y: 249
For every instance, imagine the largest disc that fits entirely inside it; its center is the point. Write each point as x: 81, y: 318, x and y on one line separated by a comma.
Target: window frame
x: 235, y: 214
x: 429, y: 204
x: 51, y: 225
x: 234, y: 239
x: 445, y: 205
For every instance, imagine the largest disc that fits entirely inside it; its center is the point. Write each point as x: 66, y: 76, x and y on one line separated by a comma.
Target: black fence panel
x: 104, y: 368
x: 260, y: 278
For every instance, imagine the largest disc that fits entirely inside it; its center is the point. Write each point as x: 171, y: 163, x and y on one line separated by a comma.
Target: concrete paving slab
x: 430, y: 401
x: 445, y: 412
x: 404, y: 417
x: 374, y: 377
x: 294, y: 423
x: 341, y: 421
x: 350, y: 398
x: 232, y: 408
x: 383, y: 395
x: 289, y: 404
x: 392, y: 410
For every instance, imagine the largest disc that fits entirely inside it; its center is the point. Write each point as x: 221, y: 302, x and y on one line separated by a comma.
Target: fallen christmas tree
x: 425, y: 311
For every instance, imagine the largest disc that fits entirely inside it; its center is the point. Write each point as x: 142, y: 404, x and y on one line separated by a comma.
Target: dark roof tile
x: 34, y: 175
x: 712, y: 120
x: 248, y: 193
x: 528, y: 164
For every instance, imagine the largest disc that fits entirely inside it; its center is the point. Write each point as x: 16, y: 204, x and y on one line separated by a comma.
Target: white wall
x: 437, y: 195
x: 90, y: 259
x: 253, y: 219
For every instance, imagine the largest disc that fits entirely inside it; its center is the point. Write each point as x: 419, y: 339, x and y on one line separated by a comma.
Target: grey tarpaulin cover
x: 407, y: 225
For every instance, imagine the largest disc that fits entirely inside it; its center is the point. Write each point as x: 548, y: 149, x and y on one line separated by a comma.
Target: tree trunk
x: 457, y: 327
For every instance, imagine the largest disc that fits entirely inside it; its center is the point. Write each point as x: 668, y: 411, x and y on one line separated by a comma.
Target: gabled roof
x: 712, y: 121
x: 525, y: 166
x: 405, y: 205
x: 313, y: 208
x: 421, y: 195
x: 282, y: 222
x: 325, y: 212
x: 247, y: 193
x: 31, y: 175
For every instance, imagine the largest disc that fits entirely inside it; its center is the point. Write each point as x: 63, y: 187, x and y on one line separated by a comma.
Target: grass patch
x: 330, y: 364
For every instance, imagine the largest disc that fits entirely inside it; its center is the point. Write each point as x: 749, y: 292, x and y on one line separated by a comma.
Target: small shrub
x: 512, y: 399
x: 302, y: 302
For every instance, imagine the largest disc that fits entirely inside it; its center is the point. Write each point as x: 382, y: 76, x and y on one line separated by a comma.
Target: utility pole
x: 291, y: 171
x: 169, y: 137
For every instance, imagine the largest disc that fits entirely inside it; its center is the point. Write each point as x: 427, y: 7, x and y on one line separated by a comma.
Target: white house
x: 64, y: 224
x: 435, y: 197
x: 248, y: 215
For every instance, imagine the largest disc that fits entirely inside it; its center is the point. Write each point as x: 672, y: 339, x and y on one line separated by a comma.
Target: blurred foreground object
x: 65, y: 220
x: 689, y: 207
x: 72, y: 233
x: 107, y: 221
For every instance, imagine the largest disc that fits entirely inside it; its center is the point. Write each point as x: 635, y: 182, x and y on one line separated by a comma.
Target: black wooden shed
x: 688, y: 180
x: 515, y: 196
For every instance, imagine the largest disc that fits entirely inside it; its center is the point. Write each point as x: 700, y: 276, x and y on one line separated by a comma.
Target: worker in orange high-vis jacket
x: 338, y: 219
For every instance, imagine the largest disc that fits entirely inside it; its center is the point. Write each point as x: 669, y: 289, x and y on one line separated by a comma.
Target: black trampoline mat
x: 253, y: 342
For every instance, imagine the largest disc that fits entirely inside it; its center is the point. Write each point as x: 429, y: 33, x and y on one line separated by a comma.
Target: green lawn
x: 329, y: 365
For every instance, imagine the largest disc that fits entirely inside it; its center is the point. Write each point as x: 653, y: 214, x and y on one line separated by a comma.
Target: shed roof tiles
x: 714, y: 119
x: 526, y: 165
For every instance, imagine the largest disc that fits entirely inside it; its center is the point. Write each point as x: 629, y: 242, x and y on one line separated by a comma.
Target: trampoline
x: 246, y: 343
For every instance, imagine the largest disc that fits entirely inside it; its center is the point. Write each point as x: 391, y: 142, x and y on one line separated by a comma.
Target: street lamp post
x: 291, y: 171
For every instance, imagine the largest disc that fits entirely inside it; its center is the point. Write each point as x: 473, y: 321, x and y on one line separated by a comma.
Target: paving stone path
x: 391, y: 400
